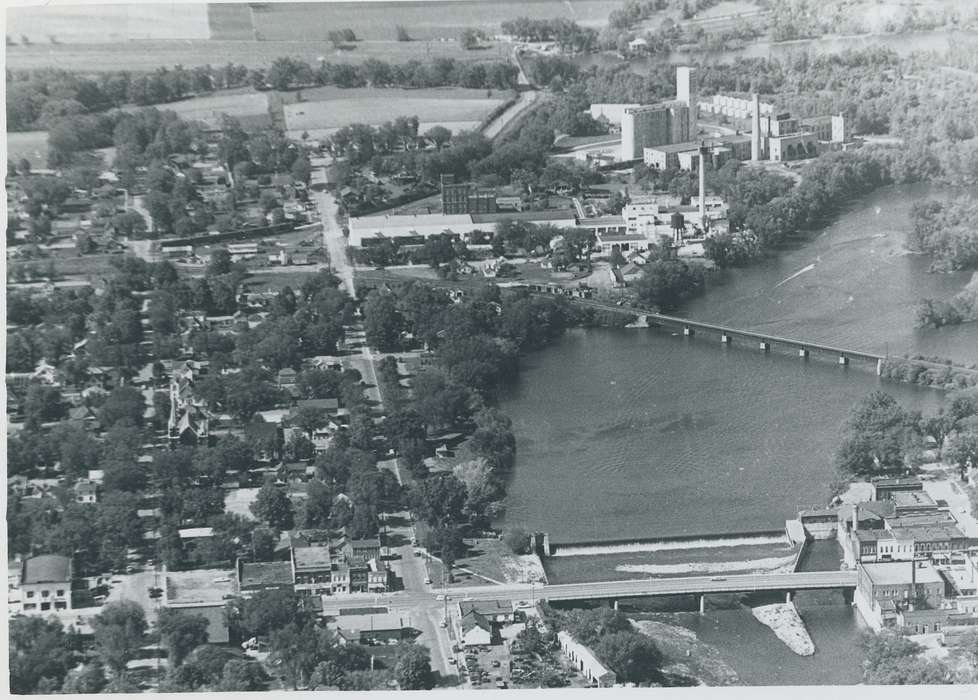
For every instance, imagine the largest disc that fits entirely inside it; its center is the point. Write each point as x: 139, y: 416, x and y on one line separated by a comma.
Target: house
x: 475, y: 630
x: 585, y: 661
x: 45, y: 583
x: 85, y: 491
x: 84, y: 416
x: 497, y: 611
x: 286, y: 377
x: 267, y: 437
x: 263, y: 576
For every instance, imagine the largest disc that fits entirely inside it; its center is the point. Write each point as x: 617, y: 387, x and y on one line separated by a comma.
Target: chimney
x: 704, y: 151
x: 755, y: 132
x: 855, y: 517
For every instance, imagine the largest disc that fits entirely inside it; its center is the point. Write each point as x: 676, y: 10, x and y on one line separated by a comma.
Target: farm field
x: 335, y: 107
x: 423, y: 20
x: 151, y: 54
x: 102, y: 23
x: 32, y: 145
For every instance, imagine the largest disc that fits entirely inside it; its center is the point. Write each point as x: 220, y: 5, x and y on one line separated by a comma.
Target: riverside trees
x: 878, y: 435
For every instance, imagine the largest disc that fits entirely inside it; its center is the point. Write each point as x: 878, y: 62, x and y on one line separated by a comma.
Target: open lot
x: 102, y: 23
x: 332, y: 108
x: 32, y: 145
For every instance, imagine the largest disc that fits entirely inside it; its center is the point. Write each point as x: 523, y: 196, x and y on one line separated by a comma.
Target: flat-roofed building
x: 885, y: 589
x: 263, y: 576
x: 45, y: 584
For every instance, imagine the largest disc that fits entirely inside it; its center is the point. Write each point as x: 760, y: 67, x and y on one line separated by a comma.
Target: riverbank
x: 787, y: 625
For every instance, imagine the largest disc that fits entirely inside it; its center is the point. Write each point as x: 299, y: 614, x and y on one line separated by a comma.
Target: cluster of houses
x: 916, y: 568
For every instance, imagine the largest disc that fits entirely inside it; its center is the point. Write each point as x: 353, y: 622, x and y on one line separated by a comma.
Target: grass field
x: 32, y: 145
x: 331, y: 108
x: 238, y: 103
x: 150, y: 54
x: 103, y: 23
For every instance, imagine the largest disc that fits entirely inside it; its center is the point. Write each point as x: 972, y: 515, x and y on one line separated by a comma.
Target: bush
x: 517, y: 540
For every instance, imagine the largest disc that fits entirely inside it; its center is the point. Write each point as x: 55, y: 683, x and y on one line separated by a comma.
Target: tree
x: 293, y: 650
x: 439, y: 135
x: 85, y: 679
x: 38, y: 649
x: 667, y: 283
x: 119, y: 631
x: 301, y: 169
x: 181, y: 632
x: 877, y: 436
x: 318, y: 505
x: 469, y: 39
x: 220, y: 262
x: 125, y: 404
x: 632, y: 656
x: 413, y: 668
x: 272, y: 506
x: 440, y: 499
x: 446, y: 542
x: 961, y: 450
x: 242, y: 676
x: 517, y: 540
x: 267, y: 611
x: 382, y: 322
x: 402, y: 33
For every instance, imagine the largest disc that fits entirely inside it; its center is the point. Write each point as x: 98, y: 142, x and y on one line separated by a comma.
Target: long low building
x: 415, y: 228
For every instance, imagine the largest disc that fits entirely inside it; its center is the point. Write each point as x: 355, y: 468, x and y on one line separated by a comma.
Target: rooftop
x: 266, y: 573
x: 485, y: 607
x: 929, y: 534
x: 899, y: 572
x: 548, y: 215
x: 312, y: 557
x: 912, y: 498
x: 46, y: 568
x: 366, y: 623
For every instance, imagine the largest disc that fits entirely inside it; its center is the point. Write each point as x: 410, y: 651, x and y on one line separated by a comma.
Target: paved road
x: 524, y: 102
x: 334, y: 239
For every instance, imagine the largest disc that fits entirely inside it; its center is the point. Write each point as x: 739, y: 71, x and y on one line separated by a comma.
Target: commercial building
x: 203, y: 592
x: 45, y: 584
x: 585, y: 661
x: 383, y: 628
x: 886, y: 589
x: 263, y: 576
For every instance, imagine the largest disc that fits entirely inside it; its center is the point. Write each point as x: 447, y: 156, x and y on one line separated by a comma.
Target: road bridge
x: 787, y: 583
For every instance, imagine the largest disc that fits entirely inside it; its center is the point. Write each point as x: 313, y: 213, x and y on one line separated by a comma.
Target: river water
x: 642, y: 433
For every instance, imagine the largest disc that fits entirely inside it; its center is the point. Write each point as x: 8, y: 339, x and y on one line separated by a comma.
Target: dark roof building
x: 46, y: 568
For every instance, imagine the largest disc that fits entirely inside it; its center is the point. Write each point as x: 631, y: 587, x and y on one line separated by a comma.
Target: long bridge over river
x: 787, y: 583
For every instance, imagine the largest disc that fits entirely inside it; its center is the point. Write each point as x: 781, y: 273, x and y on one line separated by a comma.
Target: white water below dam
x: 666, y: 545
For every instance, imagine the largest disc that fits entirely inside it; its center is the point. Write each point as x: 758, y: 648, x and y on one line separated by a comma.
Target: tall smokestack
x: 704, y: 151
x: 755, y: 132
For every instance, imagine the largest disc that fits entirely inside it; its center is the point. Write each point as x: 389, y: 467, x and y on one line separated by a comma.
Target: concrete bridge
x: 727, y: 334
x: 685, y: 585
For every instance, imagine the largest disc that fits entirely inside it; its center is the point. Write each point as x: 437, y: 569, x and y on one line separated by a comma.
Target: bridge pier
x: 843, y: 360
x: 702, y: 605
x: 803, y: 353
x: 615, y: 604
x: 724, y: 338
x: 787, y: 597
x: 687, y: 331
x: 879, y: 367
x: 764, y: 346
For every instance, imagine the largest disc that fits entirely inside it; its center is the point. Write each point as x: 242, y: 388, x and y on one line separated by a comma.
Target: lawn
x: 32, y: 145
x: 209, y: 108
x: 332, y: 108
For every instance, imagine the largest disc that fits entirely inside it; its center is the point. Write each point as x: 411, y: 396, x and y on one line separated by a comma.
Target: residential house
x: 86, y: 491
x: 45, y: 583
x: 286, y: 377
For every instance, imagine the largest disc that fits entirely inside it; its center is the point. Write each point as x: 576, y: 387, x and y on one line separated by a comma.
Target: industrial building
x: 414, y: 229
x: 659, y: 124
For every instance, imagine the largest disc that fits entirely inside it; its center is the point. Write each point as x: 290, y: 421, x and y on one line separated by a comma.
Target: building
x: 414, y: 229
x: 653, y: 125
x: 884, y: 590
x: 476, y: 631
x: 45, y: 583
x: 883, y: 489
x: 372, y: 629
x: 364, y: 549
x: 263, y: 576
x: 585, y: 661
x: 86, y: 491
x: 464, y: 198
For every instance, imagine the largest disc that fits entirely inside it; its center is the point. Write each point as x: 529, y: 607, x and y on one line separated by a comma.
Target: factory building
x: 660, y: 124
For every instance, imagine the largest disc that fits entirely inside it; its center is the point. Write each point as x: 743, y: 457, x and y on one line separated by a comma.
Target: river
x: 642, y: 433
